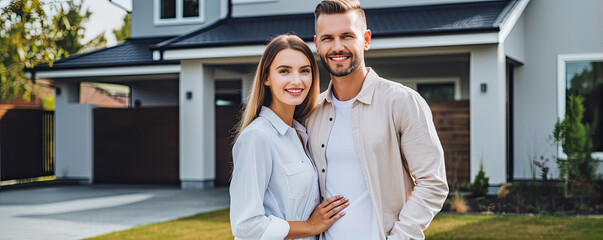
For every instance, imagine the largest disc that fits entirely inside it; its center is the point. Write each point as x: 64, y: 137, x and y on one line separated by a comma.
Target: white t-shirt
x: 345, y: 177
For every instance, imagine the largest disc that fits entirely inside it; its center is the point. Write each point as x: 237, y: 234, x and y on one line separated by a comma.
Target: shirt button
x: 330, y: 119
x: 323, y: 146
x: 323, y: 170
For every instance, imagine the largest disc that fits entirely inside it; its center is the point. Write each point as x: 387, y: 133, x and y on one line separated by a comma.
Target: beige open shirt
x: 399, y: 151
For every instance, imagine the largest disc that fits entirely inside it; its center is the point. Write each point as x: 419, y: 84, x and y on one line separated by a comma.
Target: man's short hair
x: 338, y: 6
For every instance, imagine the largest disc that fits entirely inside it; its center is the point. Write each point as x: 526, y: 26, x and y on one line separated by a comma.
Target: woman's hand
x: 322, y: 218
x: 325, y: 213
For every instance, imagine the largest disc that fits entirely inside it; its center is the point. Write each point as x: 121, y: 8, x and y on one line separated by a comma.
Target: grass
x: 215, y: 225
x: 447, y: 226
x: 211, y: 226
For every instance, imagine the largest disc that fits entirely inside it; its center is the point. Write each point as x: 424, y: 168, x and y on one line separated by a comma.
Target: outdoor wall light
x: 484, y: 87
x: 57, y: 91
x: 189, y: 95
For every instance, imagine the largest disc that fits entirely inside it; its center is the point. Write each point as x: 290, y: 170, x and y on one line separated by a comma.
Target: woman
x: 274, y: 189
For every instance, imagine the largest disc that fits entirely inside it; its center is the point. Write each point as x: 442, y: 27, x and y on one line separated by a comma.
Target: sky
x: 105, y: 17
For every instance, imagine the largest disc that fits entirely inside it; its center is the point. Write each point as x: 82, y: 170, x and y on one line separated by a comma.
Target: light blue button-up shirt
x: 274, y: 180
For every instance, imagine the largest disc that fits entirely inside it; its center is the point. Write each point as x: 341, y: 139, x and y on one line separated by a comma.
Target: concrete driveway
x: 75, y: 212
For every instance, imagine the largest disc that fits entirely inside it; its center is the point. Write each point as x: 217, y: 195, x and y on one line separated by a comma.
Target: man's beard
x: 353, y: 65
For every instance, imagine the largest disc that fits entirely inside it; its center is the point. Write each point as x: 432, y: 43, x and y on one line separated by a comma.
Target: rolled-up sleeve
x: 252, y: 158
x: 425, y: 158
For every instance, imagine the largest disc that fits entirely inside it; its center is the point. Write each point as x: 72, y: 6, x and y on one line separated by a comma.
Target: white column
x: 487, y: 111
x: 73, y: 134
x: 197, y: 125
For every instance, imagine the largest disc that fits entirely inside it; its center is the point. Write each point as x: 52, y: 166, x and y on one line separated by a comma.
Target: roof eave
x: 381, y: 35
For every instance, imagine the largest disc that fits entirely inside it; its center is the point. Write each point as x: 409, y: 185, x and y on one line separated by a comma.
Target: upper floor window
x: 174, y: 12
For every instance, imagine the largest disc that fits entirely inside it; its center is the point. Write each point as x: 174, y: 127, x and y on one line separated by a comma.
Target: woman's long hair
x: 260, y: 94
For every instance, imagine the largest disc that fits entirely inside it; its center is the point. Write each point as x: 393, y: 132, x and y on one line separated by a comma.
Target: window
x: 435, y: 89
x: 174, y: 12
x: 104, y: 94
x: 582, y: 75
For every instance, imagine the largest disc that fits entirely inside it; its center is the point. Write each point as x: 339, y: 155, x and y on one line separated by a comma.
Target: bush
x: 503, y: 191
x: 459, y: 204
x: 575, y: 138
x: 480, y: 184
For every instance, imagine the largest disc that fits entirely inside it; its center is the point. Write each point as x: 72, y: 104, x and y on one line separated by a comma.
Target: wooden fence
x: 451, y: 119
x: 26, y: 143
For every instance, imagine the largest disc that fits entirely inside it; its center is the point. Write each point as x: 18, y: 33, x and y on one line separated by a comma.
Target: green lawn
x: 446, y: 226
x: 215, y: 225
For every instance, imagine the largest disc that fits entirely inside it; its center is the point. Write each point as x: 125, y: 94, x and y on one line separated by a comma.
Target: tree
x: 28, y: 37
x: 576, y: 141
x: 96, y: 43
x: 69, y: 22
x: 480, y: 183
x: 124, y: 32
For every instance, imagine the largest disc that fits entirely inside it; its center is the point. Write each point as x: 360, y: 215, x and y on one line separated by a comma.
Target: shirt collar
x: 366, y: 92
x: 280, y: 126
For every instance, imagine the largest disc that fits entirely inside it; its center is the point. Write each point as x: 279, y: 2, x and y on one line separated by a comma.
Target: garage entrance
x: 136, y: 145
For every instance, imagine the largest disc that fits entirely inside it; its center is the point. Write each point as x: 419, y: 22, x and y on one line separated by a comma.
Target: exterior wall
x: 248, y: 8
x: 155, y: 93
x: 73, y: 134
x: 143, y: 17
x: 487, y: 109
x: 197, y: 126
x: 515, y: 42
x: 546, y: 36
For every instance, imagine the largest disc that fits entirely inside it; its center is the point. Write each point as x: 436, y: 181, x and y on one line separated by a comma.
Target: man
x: 373, y: 140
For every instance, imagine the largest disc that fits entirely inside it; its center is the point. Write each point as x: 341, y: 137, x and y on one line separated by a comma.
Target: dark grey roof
x: 129, y: 53
x: 400, y: 21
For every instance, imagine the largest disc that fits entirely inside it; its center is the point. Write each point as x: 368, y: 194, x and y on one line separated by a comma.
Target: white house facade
x: 510, y: 62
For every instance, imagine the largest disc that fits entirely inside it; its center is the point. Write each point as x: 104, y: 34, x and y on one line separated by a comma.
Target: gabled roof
x: 399, y: 21
x: 470, y: 17
x: 131, y: 52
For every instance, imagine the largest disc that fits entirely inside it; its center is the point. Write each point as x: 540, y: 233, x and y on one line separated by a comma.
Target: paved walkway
x: 75, y: 212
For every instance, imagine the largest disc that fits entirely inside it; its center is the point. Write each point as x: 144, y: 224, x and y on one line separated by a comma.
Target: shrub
x: 503, y: 191
x: 480, y: 184
x: 459, y: 204
x: 575, y: 138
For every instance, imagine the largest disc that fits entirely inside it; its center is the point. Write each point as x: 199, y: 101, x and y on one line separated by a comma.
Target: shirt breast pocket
x: 298, y: 179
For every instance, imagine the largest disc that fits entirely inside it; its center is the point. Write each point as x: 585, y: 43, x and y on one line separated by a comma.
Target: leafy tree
x: 588, y: 83
x: 27, y: 38
x: 576, y: 141
x: 124, y: 32
x: 69, y: 22
x: 96, y: 43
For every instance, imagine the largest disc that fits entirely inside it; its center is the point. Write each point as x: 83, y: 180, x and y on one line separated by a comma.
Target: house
x: 494, y: 72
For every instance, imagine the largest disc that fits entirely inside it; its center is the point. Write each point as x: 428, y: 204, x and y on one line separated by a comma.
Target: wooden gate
x: 136, y: 145
x: 26, y: 143
x: 451, y: 119
x: 228, y: 106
